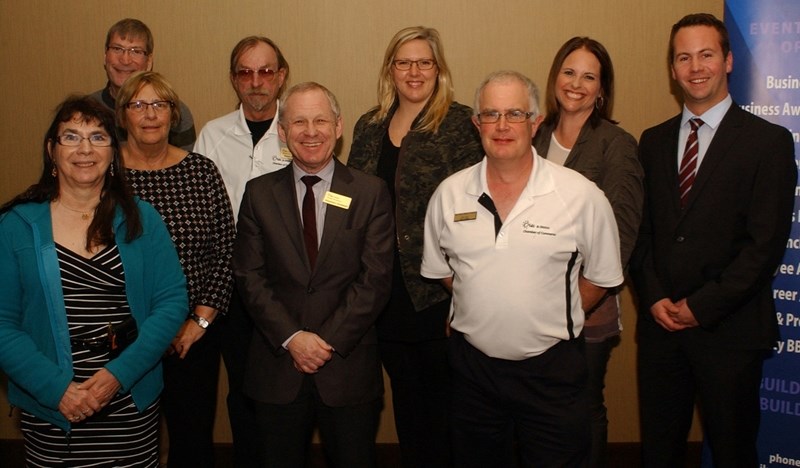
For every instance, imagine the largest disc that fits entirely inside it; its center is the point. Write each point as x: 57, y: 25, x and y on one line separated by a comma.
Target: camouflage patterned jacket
x: 425, y: 160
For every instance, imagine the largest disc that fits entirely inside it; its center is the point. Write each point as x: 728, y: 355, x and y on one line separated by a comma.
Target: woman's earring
x: 598, y: 103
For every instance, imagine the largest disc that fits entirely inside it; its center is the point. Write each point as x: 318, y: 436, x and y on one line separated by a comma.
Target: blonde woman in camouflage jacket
x: 414, y: 139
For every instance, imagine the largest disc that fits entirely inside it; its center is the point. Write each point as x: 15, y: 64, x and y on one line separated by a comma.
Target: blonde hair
x: 136, y: 82
x: 302, y: 88
x: 442, y: 97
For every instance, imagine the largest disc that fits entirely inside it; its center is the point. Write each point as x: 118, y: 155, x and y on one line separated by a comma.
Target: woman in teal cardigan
x: 62, y: 371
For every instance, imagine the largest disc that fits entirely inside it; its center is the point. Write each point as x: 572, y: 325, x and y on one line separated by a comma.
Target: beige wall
x: 49, y: 49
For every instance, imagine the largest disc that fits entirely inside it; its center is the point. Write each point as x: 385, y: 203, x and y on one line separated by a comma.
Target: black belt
x: 83, y: 344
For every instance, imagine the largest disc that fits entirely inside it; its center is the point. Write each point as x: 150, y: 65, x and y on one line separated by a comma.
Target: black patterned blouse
x: 191, y: 198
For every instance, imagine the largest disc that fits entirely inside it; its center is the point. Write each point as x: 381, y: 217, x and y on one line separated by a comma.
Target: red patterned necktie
x: 310, y: 219
x: 688, y: 168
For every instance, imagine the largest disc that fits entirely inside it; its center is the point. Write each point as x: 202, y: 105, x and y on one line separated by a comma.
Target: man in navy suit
x: 313, y: 264
x: 719, y: 196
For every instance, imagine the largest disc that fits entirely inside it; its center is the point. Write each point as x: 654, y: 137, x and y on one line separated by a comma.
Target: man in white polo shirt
x: 525, y: 246
x: 244, y: 144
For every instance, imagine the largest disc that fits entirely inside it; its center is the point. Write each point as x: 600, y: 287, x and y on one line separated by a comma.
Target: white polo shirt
x: 228, y: 142
x: 516, y: 295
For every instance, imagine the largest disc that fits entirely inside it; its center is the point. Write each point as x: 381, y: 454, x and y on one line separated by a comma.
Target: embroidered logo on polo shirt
x: 536, y: 229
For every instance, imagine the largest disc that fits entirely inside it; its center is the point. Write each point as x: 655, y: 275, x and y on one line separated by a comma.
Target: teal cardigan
x: 35, y: 350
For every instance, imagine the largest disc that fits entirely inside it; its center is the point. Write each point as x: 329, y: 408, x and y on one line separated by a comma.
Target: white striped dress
x: 119, y: 435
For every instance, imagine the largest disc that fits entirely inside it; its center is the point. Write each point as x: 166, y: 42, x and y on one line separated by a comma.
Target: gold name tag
x: 285, y: 154
x: 471, y: 216
x: 335, y: 199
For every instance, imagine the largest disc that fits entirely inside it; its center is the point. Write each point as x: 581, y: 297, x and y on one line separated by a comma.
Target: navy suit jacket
x: 339, y: 299
x: 720, y: 251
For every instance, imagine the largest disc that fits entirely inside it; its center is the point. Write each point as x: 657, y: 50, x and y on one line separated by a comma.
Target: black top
x: 399, y: 320
x: 192, y: 200
x: 258, y: 129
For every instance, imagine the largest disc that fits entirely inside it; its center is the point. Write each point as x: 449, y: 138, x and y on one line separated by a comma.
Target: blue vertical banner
x: 765, y: 41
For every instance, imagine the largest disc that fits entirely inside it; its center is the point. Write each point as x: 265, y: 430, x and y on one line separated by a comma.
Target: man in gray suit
x: 313, y: 263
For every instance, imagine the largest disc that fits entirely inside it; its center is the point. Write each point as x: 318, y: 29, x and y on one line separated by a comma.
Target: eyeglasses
x: 422, y: 64
x: 135, y: 52
x: 141, y: 106
x: 513, y: 116
x: 73, y: 139
x: 266, y: 74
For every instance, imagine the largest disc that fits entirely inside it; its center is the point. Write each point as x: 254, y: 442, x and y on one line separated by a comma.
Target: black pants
x: 541, y: 400
x: 420, y: 380
x: 347, y: 432
x: 189, y: 402
x: 237, y: 330
x: 597, y: 356
x: 675, y: 368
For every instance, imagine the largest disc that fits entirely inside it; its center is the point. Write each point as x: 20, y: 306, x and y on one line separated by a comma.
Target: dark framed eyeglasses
x: 422, y: 64
x: 141, y: 106
x: 513, y: 116
x: 135, y: 52
x: 73, y: 139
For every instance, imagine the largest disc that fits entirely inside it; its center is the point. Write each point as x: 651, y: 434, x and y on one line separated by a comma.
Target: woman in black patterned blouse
x: 188, y: 191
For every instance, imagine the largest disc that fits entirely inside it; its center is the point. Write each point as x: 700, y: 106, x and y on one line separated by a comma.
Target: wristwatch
x: 200, y: 321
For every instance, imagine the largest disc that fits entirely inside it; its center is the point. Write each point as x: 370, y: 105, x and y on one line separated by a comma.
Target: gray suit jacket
x: 339, y: 300
x: 606, y: 155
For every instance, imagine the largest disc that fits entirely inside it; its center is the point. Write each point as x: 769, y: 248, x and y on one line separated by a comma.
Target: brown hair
x: 135, y: 83
x: 700, y: 19
x: 251, y: 41
x: 130, y: 28
x: 605, y: 102
x: 115, y: 192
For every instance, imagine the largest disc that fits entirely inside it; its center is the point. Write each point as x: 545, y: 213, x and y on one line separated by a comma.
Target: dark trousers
x: 347, y: 432
x: 675, y: 368
x: 189, y: 402
x: 237, y: 329
x: 597, y: 356
x: 420, y: 380
x: 541, y: 400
